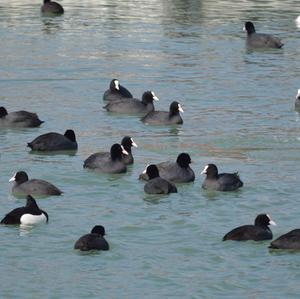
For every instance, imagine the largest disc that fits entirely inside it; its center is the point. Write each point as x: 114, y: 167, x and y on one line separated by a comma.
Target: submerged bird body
x: 54, y: 142
x: 257, y: 232
x: 93, y: 240
x: 29, y: 215
x: 220, y: 182
x: 260, y: 40
x: 18, y: 119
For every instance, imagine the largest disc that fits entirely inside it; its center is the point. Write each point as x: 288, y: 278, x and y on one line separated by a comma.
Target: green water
x: 239, y: 114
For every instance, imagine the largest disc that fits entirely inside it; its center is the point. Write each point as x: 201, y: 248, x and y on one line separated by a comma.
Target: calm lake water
x: 239, y: 114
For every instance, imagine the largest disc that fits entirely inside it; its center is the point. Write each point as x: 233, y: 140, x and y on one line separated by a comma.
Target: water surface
x: 239, y: 114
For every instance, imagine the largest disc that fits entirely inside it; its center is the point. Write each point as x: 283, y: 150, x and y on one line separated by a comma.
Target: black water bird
x: 93, y: 241
x: 260, y: 40
x: 156, y: 184
x: 258, y: 232
x: 18, y: 119
x: 54, y: 142
x: 220, y: 182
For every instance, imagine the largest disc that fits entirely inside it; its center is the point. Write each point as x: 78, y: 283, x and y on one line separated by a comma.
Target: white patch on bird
x: 271, y: 222
x: 204, y: 170
x: 244, y: 28
x: 298, y: 22
x: 155, y: 98
x: 12, y: 179
x: 298, y: 94
x: 180, y: 108
x: 124, y: 151
x: 29, y: 219
x: 117, y: 85
x: 133, y: 143
x: 145, y: 170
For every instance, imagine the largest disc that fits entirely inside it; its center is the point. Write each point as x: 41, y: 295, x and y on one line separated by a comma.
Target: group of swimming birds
x: 161, y: 178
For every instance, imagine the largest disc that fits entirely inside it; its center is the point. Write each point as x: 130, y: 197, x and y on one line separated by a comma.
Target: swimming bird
x: 220, y: 182
x: 29, y: 215
x: 260, y: 40
x: 257, y: 232
x: 133, y: 106
x: 156, y: 184
x: 54, y: 142
x: 163, y: 117
x: 116, y: 92
x: 297, y: 102
x: 51, y: 7
x: 25, y: 186
x: 112, y: 163
x: 177, y: 172
x: 93, y: 241
x: 18, y: 119
x: 290, y: 240
x: 127, y: 143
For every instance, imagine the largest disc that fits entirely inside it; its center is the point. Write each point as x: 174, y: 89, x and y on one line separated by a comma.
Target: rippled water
x: 239, y: 114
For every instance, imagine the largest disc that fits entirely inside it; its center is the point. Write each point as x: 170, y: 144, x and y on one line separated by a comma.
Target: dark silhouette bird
x: 54, y: 142
x: 93, y: 241
x: 50, y: 7
x: 257, y: 232
x: 156, y: 184
x: 177, y: 172
x: 133, y: 106
x: 290, y: 240
x: 163, y: 117
x: 220, y: 182
x: 24, y: 186
x: 112, y: 163
x: 18, y: 119
x: 116, y: 92
x: 260, y: 40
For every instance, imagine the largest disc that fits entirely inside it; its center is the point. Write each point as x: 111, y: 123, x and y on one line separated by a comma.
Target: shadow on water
x: 53, y: 153
x: 51, y: 24
x: 155, y: 198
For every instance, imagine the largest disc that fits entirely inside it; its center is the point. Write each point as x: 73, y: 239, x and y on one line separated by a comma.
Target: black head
x: 183, y: 160
x: 31, y: 203
x: 70, y: 134
x: 249, y: 27
x: 114, y: 85
x: 175, y: 107
x: 149, y: 97
x: 263, y: 220
x: 99, y: 230
x: 3, y: 112
x: 210, y: 170
x: 20, y: 177
x: 116, y: 152
x: 46, y: 1
x: 128, y: 143
x: 152, y: 171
